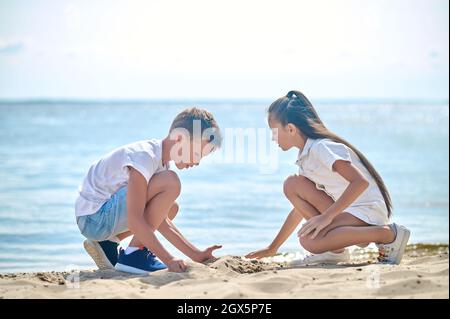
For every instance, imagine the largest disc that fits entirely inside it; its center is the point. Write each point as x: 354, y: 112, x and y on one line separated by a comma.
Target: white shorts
x: 372, y: 214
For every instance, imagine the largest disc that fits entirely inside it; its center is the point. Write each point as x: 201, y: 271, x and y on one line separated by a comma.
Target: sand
x: 423, y: 273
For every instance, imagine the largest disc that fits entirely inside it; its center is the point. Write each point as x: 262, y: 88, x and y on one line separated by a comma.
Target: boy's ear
x: 178, y: 137
x: 178, y: 134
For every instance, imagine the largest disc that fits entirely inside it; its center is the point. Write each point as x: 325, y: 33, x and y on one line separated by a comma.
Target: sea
x: 233, y: 198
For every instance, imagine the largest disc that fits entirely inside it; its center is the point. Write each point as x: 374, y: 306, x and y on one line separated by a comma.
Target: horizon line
x: 58, y: 100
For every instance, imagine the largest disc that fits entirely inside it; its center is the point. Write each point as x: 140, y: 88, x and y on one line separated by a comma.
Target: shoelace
x: 383, y: 253
x: 385, y: 250
x: 147, y: 252
x: 308, y: 257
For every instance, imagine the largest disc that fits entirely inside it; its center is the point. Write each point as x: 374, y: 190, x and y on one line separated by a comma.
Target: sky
x: 175, y: 49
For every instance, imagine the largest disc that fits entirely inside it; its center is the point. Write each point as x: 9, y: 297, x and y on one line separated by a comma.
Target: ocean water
x: 46, y: 148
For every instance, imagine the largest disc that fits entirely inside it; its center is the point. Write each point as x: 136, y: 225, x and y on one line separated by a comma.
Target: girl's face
x: 286, y: 136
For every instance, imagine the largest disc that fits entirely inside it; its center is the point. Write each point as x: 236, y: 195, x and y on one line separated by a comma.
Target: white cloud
x: 11, y: 47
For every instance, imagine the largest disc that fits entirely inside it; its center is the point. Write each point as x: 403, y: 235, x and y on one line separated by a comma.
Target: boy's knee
x: 173, y: 178
x: 173, y: 211
x: 171, y: 182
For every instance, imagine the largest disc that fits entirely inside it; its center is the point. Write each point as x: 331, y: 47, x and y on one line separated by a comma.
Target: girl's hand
x: 206, y: 254
x: 265, y: 252
x: 315, y: 225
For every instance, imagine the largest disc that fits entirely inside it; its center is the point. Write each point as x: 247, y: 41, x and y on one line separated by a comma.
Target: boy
x: 131, y: 191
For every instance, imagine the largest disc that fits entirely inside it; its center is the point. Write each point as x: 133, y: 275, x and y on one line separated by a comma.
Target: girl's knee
x: 289, y: 186
x: 312, y: 245
x: 295, y: 184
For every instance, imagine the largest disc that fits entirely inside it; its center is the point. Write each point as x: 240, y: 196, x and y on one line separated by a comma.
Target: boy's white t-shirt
x: 316, y: 161
x: 111, y: 172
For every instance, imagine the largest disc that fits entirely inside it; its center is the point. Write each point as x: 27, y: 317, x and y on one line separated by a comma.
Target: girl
x: 337, y: 190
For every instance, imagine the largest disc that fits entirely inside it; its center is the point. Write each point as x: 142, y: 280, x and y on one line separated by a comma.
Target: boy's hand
x: 206, y: 254
x: 176, y: 265
x: 265, y: 252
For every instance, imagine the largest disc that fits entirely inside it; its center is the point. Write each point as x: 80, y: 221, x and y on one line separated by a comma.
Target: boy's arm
x: 174, y: 236
x: 136, y: 202
x: 294, y: 218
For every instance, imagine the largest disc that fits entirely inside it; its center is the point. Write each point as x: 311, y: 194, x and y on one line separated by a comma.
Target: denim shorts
x: 110, y: 220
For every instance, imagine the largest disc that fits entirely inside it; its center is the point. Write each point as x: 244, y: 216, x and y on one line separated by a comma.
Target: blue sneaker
x: 104, y: 253
x: 141, y: 261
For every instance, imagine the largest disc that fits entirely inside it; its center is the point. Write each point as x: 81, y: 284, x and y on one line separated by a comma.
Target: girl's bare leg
x: 346, y: 230
x: 310, y: 202
x: 305, y: 197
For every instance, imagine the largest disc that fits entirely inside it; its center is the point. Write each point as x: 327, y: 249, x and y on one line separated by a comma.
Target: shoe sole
x: 325, y: 261
x: 130, y: 270
x: 96, y: 252
x: 406, y: 233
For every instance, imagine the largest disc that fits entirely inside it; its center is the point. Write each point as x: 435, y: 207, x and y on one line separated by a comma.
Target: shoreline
x: 423, y: 273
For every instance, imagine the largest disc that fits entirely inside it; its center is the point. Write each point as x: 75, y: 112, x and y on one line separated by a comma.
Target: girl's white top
x: 112, y: 172
x: 316, y: 160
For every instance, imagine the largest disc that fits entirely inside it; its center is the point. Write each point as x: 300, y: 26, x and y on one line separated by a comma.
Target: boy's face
x: 190, y: 152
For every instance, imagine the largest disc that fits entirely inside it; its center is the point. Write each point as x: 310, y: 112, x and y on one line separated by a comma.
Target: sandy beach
x: 422, y: 274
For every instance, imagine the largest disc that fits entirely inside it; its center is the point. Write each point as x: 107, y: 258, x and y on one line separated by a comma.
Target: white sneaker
x: 325, y: 258
x: 392, y: 253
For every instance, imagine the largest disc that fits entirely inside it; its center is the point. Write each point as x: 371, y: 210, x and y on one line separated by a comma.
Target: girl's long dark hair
x: 295, y: 108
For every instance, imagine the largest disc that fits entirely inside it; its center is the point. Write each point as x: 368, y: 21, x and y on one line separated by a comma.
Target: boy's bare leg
x: 173, y: 211
x: 172, y: 214
x: 124, y: 235
x: 162, y: 191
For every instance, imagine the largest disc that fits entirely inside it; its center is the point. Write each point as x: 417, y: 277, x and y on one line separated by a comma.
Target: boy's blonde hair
x: 186, y: 120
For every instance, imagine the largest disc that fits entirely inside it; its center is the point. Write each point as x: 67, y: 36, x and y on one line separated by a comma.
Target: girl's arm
x: 174, y: 236
x: 294, y: 218
x: 358, y: 184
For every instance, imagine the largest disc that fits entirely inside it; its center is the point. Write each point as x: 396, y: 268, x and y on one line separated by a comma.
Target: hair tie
x: 291, y: 94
